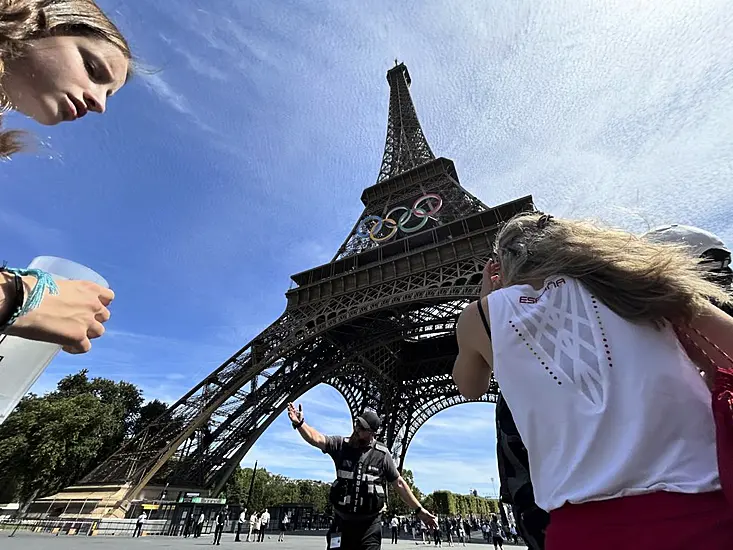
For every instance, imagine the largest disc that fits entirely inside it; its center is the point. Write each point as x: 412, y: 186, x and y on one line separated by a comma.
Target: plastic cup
x: 23, y: 361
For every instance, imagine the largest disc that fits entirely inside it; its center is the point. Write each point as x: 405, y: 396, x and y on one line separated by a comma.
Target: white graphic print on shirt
x: 563, y: 329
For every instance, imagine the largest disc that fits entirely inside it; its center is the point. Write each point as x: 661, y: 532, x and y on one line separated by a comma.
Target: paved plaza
x: 25, y: 541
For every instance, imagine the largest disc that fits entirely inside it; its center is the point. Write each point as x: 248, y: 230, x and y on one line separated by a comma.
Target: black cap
x: 369, y: 420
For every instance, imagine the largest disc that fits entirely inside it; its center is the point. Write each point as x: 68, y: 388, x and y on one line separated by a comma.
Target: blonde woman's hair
x: 637, y: 279
x: 25, y: 20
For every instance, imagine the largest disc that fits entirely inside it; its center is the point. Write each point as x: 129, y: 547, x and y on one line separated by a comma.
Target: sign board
x: 202, y: 500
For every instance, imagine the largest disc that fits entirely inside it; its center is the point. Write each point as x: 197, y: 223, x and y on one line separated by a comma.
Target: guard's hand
x: 428, y: 519
x: 71, y: 319
x: 294, y: 415
x: 491, y: 280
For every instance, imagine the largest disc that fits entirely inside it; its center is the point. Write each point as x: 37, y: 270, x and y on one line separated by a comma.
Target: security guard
x: 715, y: 257
x: 363, y: 465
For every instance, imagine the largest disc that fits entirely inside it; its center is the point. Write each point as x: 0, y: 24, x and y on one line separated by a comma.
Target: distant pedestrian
x: 461, y: 533
x: 254, y: 526
x: 264, y: 520
x: 395, y: 525
x: 138, y: 532
x: 219, y: 526
x: 497, y: 535
x: 240, y: 523
x: 200, y: 525
x: 437, y: 538
x: 283, y: 527
x: 188, y: 526
x: 448, y: 528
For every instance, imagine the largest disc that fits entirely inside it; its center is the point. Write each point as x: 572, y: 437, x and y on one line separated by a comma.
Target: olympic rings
x: 381, y: 230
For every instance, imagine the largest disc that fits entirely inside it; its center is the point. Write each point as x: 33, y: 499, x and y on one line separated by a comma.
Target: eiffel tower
x: 377, y: 323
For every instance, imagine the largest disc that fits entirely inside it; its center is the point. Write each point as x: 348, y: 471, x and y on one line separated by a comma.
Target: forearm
x: 405, y: 494
x: 311, y: 435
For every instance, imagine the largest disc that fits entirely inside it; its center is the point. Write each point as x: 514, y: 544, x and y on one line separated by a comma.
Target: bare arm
x: 472, y: 369
x: 717, y: 327
x: 405, y: 494
x: 308, y: 433
x: 312, y: 436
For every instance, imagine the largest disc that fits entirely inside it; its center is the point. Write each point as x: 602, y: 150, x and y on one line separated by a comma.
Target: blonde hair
x: 25, y: 20
x: 637, y: 279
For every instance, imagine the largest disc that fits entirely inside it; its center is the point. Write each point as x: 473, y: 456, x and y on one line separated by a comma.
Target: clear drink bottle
x: 23, y: 361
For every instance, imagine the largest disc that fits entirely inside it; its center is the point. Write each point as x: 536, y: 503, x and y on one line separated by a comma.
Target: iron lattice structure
x: 377, y: 323
x: 405, y: 147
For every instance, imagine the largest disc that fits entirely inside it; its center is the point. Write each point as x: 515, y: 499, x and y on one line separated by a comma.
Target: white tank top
x: 605, y: 407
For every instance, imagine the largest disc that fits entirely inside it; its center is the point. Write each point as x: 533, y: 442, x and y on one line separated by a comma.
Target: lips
x: 77, y: 108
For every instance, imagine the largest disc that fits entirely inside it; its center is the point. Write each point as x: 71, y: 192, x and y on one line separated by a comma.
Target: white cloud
x: 160, y: 87
x: 37, y: 235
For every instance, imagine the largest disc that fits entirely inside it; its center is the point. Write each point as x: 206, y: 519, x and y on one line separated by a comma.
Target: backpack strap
x: 483, y: 318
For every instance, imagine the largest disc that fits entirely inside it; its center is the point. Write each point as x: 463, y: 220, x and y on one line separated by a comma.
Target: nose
x: 95, y: 101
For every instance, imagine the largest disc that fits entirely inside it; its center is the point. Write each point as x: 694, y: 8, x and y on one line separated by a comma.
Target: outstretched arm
x: 405, y: 494
x: 472, y: 369
x: 310, y: 434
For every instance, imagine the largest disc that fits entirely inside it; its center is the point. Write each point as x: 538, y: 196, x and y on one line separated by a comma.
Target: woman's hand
x: 71, y: 319
x: 491, y: 280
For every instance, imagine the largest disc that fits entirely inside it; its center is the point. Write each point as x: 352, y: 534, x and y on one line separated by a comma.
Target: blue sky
x: 239, y: 154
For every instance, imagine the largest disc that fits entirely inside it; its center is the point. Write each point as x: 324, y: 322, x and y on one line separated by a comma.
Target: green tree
x: 273, y: 489
x: 395, y: 504
x: 428, y: 503
x: 447, y: 503
x: 236, y: 490
x: 52, y: 441
x: 147, y: 413
x: 48, y: 443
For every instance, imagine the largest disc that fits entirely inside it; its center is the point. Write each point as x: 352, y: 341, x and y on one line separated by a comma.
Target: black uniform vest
x: 358, y: 492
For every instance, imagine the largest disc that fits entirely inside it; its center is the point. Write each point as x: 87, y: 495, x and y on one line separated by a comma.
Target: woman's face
x: 62, y: 78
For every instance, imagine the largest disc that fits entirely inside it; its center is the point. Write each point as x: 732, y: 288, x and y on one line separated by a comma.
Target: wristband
x: 44, y: 282
x: 299, y: 424
x: 18, y: 300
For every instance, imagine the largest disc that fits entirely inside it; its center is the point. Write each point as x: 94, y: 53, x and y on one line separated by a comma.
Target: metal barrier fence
x: 118, y: 527
x: 85, y: 527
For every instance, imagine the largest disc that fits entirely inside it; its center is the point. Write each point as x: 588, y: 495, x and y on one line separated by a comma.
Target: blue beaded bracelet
x: 44, y: 281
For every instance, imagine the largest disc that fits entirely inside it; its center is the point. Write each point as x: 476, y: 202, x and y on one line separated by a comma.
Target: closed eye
x: 92, y: 70
x: 97, y: 70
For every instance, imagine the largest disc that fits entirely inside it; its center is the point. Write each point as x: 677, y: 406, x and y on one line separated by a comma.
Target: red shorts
x: 663, y: 521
